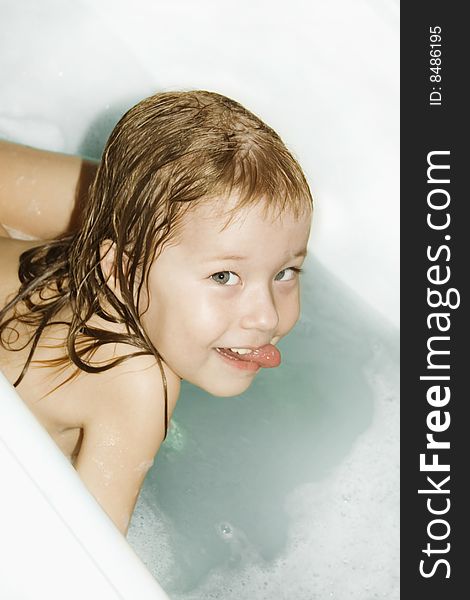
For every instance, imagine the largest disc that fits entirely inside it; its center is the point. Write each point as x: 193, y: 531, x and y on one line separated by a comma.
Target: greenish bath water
x: 294, y: 472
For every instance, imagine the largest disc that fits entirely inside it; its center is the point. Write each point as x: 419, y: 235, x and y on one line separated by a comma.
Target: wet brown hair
x: 166, y: 155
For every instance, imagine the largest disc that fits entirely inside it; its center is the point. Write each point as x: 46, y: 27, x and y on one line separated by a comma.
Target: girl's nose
x: 260, y: 312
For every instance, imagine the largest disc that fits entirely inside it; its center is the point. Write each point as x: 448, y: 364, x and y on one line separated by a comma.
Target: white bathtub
x: 56, y: 541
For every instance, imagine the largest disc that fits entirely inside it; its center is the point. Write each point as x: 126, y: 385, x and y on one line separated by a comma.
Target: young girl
x: 180, y: 261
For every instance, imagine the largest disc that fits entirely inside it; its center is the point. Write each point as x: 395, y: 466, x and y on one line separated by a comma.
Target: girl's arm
x: 41, y: 193
x: 122, y: 434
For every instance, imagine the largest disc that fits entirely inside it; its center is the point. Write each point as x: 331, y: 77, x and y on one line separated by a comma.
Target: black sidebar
x: 435, y: 267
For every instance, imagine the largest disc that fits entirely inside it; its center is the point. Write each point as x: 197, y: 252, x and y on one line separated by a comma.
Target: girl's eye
x: 223, y: 277
x: 295, y: 270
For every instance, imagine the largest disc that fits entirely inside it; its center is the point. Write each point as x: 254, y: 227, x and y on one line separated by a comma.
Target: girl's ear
x: 107, y: 263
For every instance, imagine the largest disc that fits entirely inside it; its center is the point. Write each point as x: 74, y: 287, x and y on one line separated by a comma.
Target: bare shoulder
x: 123, y: 429
x: 132, y: 392
x: 10, y: 252
x: 11, y: 249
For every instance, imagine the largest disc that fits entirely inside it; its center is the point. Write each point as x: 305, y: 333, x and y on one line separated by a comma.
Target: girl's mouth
x: 266, y: 356
x: 236, y: 360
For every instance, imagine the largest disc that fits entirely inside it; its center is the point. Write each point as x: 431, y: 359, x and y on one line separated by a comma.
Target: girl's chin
x: 226, y: 394
x: 223, y: 381
x: 227, y: 389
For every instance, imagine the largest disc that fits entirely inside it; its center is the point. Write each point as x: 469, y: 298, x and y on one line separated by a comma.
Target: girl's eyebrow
x: 302, y: 252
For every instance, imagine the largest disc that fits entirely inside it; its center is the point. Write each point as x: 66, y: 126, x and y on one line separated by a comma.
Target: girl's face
x: 234, y: 288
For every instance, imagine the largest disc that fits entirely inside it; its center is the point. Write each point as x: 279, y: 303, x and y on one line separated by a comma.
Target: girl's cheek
x: 290, y: 316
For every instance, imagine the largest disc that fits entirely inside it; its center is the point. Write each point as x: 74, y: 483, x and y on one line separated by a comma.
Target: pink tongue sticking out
x: 266, y: 356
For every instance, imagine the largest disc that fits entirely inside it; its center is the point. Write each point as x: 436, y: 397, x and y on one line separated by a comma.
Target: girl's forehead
x: 221, y: 214
x: 211, y: 224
